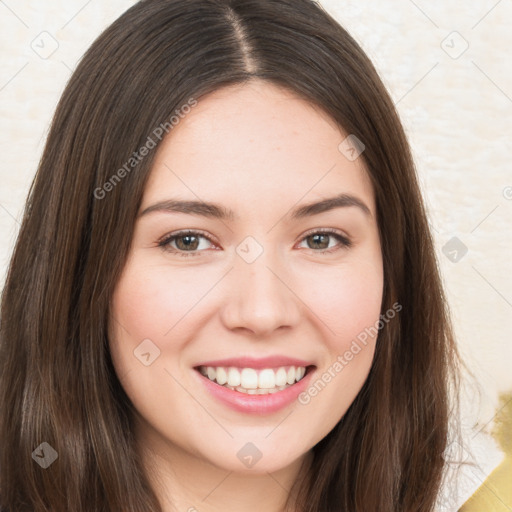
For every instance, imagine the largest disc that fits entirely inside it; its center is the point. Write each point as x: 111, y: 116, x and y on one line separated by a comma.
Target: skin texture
x: 260, y: 151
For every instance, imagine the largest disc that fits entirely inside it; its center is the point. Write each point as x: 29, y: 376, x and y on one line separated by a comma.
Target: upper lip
x: 253, y: 362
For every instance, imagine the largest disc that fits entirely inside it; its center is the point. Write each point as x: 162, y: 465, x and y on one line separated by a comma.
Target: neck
x: 185, y: 482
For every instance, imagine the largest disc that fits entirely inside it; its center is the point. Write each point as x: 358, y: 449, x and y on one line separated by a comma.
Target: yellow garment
x: 495, y: 494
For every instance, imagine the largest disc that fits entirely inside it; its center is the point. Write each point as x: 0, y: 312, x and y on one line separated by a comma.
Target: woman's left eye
x: 320, y: 239
x: 187, y: 243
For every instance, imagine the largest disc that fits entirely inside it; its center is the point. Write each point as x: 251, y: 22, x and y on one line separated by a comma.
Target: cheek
x: 150, y: 305
x: 355, y: 306
x: 350, y: 312
x: 347, y: 299
x: 147, y: 304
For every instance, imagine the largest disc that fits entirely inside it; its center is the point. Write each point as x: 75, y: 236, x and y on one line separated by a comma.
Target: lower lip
x: 256, y: 404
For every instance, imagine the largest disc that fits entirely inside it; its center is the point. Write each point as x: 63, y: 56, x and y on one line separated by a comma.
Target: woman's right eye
x: 186, y: 243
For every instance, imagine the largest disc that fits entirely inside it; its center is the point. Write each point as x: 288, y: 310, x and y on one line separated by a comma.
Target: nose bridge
x: 260, y: 301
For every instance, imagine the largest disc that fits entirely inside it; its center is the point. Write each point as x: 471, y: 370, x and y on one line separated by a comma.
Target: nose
x: 261, y: 297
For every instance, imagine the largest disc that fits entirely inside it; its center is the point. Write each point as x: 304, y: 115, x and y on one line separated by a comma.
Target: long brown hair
x: 57, y: 382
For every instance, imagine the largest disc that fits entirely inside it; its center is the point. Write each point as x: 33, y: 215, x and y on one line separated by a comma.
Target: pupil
x: 324, y: 236
x: 187, y: 244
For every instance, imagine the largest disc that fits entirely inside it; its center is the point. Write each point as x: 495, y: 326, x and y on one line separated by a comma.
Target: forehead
x: 256, y: 142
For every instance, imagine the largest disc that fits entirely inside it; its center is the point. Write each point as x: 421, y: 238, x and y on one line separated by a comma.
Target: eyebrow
x: 217, y: 211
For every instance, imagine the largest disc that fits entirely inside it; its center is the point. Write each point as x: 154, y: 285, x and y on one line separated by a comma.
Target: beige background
x: 446, y: 66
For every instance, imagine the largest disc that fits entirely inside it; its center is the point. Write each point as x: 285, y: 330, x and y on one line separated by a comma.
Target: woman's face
x: 263, y: 290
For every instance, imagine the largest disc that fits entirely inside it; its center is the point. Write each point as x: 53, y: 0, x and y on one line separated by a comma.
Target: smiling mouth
x: 253, y: 381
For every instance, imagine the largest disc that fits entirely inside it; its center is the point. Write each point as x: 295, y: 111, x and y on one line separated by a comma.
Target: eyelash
x: 165, y: 242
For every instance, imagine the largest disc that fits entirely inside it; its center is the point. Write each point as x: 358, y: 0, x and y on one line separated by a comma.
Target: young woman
x: 224, y: 294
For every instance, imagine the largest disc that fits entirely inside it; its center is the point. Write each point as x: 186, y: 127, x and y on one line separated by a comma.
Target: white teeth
x: 257, y: 391
x: 211, y: 372
x: 233, y: 377
x: 222, y: 376
x: 267, y: 379
x: 252, y: 381
x: 281, y: 377
x: 249, y: 378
